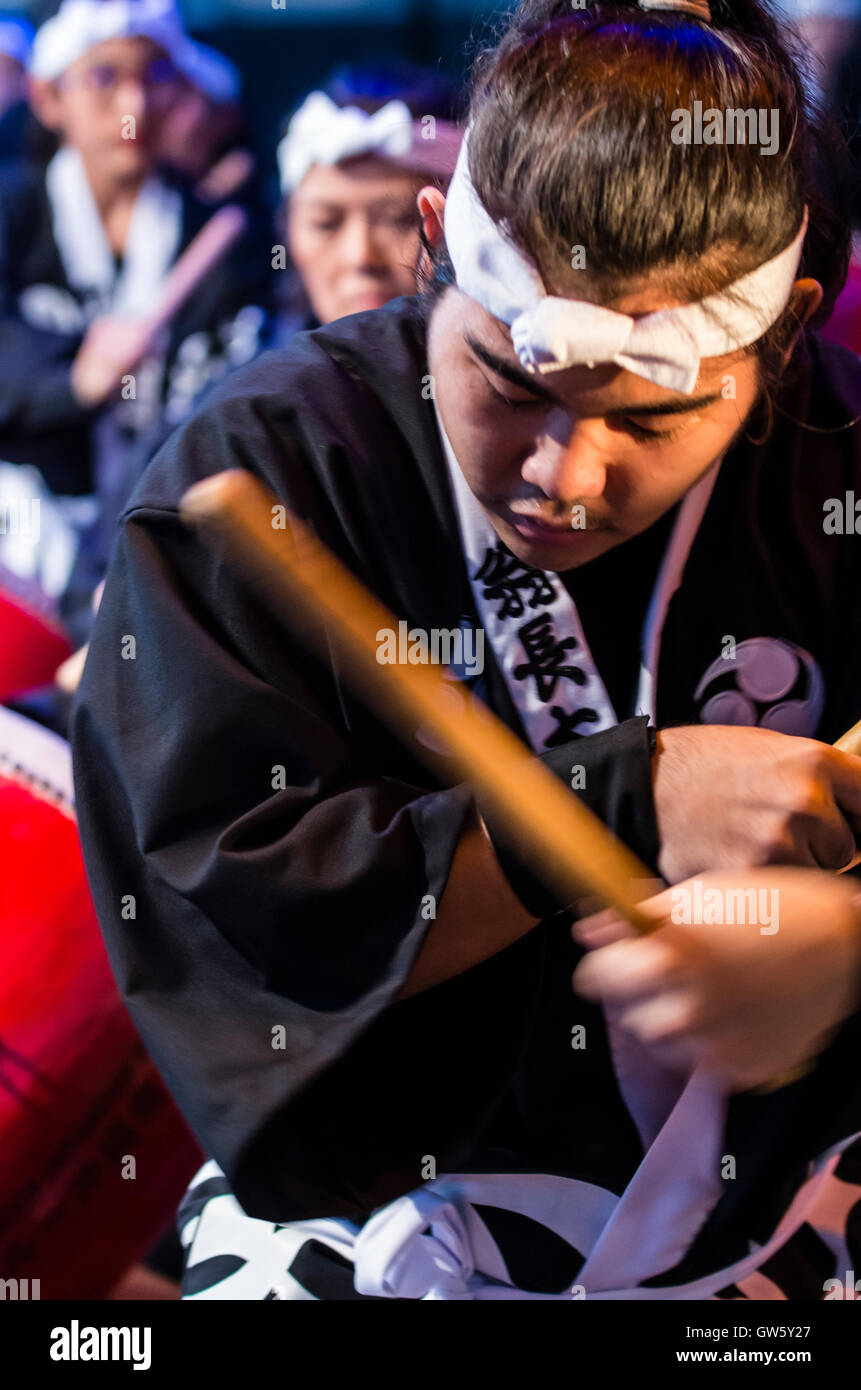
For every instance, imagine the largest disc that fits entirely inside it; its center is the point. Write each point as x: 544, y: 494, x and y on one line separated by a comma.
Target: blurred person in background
x: 351, y: 164
x: 85, y: 246
x: 16, y: 39
x: 204, y: 135
x: 826, y: 29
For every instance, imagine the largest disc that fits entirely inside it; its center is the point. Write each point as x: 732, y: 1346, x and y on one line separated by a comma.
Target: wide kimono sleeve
x: 265, y: 862
x: 41, y: 420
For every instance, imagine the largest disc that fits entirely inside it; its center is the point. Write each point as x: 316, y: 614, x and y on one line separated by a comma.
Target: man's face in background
x: 111, y: 104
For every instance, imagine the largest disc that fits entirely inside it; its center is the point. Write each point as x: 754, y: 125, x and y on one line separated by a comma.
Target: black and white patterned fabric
x: 232, y: 1256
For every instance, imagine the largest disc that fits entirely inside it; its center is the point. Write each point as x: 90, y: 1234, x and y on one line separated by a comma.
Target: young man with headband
x: 86, y: 243
x: 361, y: 998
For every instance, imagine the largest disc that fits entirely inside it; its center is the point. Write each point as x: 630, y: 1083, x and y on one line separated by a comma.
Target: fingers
x: 600, y: 927
x: 827, y: 839
x: 832, y: 842
x: 661, y: 1020
x: 626, y: 971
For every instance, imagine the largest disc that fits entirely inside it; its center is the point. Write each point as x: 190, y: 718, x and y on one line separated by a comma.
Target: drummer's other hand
x: 757, y: 985
x: 736, y: 797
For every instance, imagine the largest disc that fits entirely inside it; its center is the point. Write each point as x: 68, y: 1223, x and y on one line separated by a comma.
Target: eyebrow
x: 523, y: 379
x: 390, y: 202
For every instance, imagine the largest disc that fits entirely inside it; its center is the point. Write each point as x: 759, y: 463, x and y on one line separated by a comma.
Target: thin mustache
x: 539, y: 506
x: 551, y: 510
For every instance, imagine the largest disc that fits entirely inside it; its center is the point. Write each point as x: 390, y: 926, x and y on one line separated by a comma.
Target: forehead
x: 122, y: 52
x: 607, y: 384
x: 356, y: 182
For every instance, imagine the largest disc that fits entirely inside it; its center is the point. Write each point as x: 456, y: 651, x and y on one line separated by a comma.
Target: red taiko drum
x: 31, y: 647
x: 82, y: 1107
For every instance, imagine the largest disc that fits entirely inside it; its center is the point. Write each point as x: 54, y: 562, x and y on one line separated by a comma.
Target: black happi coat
x: 41, y: 421
x: 256, y: 909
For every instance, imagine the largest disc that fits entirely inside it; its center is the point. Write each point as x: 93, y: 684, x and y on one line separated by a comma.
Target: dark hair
x: 570, y: 145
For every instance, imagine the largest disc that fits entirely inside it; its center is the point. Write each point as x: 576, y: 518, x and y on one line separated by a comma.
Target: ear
x: 805, y: 299
x: 431, y: 205
x: 45, y: 102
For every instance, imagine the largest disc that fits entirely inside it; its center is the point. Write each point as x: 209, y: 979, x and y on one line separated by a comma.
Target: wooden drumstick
x: 212, y: 242
x: 563, y: 841
x: 850, y: 742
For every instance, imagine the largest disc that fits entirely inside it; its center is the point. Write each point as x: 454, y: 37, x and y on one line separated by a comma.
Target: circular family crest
x: 766, y: 682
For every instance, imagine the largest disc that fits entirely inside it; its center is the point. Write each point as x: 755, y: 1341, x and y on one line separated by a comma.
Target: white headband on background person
x: 321, y: 132
x: 551, y: 333
x: 80, y: 25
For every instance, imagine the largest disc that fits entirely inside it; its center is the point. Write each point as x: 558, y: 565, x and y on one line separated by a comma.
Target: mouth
x: 534, y: 521
x: 369, y: 299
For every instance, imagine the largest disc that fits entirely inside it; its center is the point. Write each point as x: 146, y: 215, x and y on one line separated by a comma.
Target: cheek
x: 489, y: 439
x: 647, y: 481
x: 81, y: 126
x: 311, y: 253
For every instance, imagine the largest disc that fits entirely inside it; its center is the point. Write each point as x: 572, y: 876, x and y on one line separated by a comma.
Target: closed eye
x: 515, y: 402
x: 655, y: 436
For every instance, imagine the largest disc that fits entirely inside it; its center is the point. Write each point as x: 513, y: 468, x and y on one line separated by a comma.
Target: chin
x: 130, y: 158
x: 361, y: 303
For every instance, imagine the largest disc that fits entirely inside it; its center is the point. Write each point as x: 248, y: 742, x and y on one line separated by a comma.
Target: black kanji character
x: 546, y: 656
x: 565, y: 731
x: 505, y: 579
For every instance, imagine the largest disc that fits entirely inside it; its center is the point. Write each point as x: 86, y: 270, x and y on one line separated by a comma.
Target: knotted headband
x: 321, y: 132
x: 550, y: 333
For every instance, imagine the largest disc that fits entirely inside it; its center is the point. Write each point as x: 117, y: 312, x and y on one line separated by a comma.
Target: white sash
x: 153, y: 238
x: 433, y: 1245
x: 151, y: 245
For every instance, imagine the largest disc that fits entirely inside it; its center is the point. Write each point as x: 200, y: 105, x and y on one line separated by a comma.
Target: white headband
x: 321, y: 132
x: 80, y: 25
x: 550, y: 333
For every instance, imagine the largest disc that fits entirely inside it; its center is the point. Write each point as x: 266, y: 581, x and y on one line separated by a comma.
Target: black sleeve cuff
x: 615, y: 783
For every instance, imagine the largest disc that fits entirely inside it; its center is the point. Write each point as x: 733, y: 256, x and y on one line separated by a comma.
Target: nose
x: 563, y: 470
x: 134, y: 97
x: 359, y: 245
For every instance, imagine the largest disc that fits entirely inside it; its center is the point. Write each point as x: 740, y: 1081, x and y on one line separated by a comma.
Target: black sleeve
x: 36, y: 395
x: 37, y: 404
x: 264, y: 881
x: 615, y: 782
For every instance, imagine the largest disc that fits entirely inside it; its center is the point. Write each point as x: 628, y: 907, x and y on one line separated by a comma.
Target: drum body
x: 31, y: 647
x: 94, y: 1155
